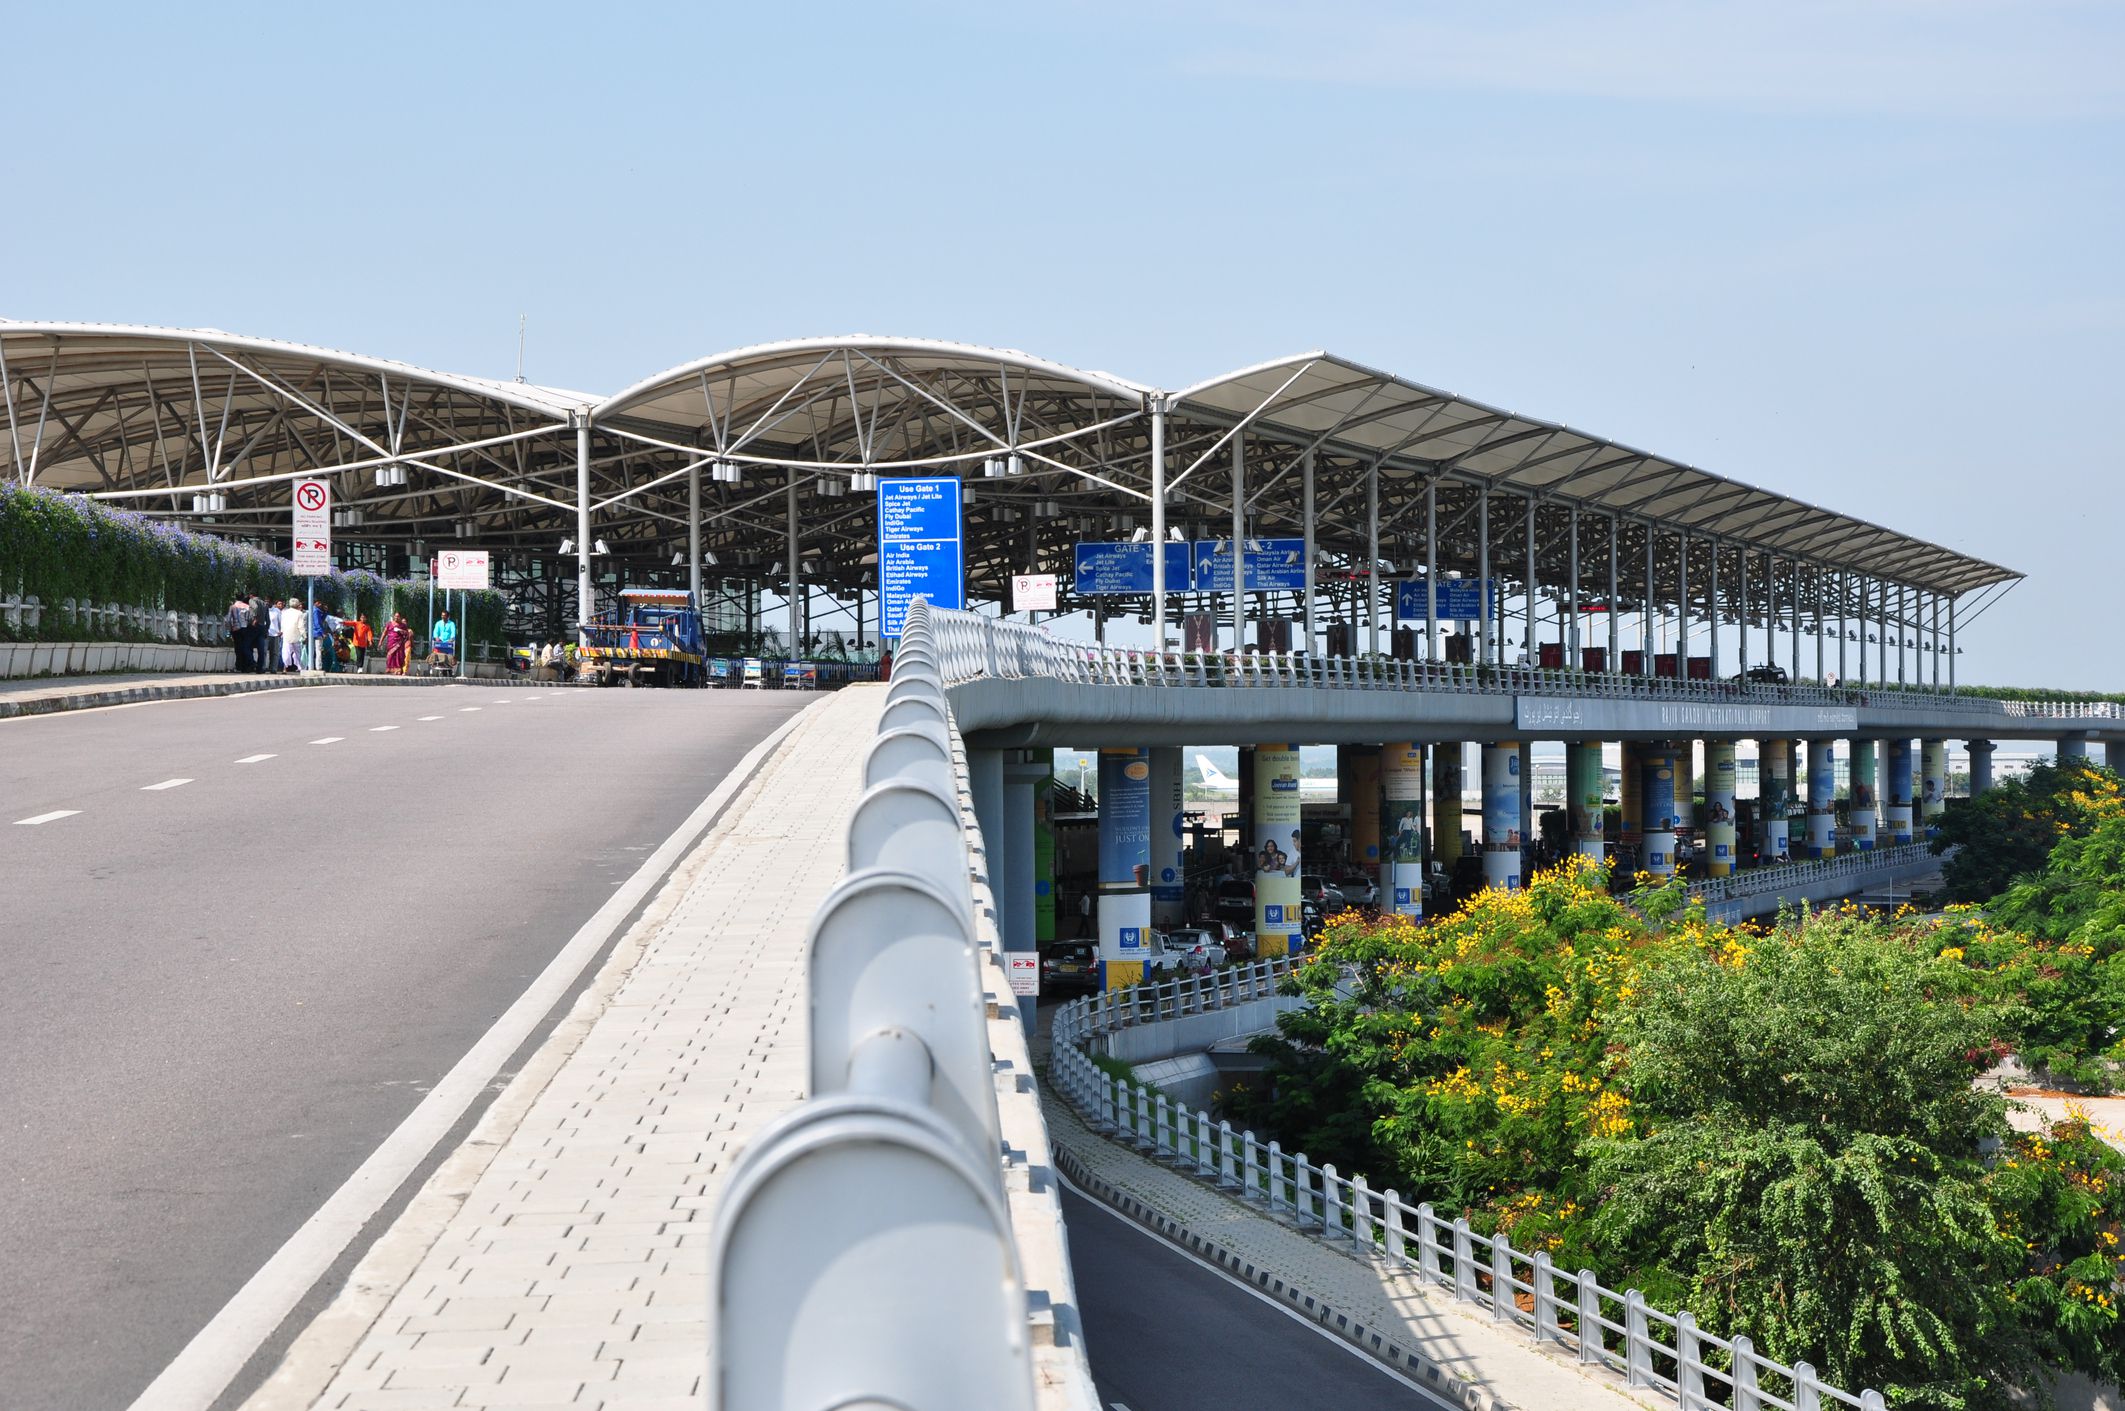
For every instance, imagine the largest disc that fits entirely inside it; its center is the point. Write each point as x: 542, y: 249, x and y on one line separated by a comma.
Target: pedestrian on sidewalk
x: 445, y: 639
x: 271, y: 661
x: 361, y: 639
x: 238, y: 620
x: 398, y: 637
x: 1084, y: 914
x: 259, y: 660
x: 294, y: 634
x: 320, y: 633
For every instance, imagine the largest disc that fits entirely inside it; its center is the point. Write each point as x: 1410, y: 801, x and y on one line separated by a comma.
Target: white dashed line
x: 165, y: 784
x: 46, y: 817
x: 431, y: 717
x: 329, y: 740
x: 256, y: 758
x: 462, y: 709
x: 375, y: 728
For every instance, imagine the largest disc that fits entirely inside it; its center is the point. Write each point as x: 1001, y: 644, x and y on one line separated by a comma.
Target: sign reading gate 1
x: 919, y: 548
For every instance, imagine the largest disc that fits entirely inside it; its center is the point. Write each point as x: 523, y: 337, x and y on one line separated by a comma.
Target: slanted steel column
x: 586, y: 602
x: 1158, y: 535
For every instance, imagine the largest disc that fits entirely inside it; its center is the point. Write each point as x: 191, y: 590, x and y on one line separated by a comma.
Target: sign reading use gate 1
x: 461, y: 568
x: 313, y: 526
x: 919, y: 548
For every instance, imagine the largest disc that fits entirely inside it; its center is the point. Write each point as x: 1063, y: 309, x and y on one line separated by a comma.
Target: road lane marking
x: 462, y: 709
x: 374, y: 728
x: 165, y: 784
x: 55, y: 814
x: 329, y: 740
x: 431, y: 717
x: 256, y: 758
x: 197, y: 1376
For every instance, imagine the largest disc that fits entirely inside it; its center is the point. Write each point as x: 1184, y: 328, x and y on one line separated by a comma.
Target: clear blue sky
x: 1868, y: 254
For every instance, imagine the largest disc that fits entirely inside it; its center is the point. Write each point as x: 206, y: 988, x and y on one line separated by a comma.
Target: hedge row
x: 54, y: 547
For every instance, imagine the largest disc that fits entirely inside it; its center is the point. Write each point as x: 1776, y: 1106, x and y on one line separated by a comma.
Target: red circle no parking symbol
x: 310, y: 495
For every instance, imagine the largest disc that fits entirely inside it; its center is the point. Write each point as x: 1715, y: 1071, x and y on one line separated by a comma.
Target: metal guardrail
x: 972, y: 647
x: 1667, y: 1353
x: 1755, y: 881
x: 863, y: 1253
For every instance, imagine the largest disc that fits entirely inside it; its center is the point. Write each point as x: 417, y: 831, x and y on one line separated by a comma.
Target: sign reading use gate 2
x: 920, y: 550
x: 1460, y: 599
x: 312, y: 526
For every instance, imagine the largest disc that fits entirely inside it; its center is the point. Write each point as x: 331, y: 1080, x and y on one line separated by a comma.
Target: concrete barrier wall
x: 20, y: 659
x: 1193, y: 1033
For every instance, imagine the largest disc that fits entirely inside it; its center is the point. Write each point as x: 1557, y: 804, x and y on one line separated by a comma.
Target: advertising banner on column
x: 1501, y: 815
x: 1630, y: 808
x: 1719, y: 833
x: 1896, y: 791
x: 1278, y: 921
x: 1933, y: 778
x: 1583, y: 796
x: 1658, y: 800
x: 1822, y: 798
x: 1861, y: 813
x: 1365, y: 810
x: 1402, y: 791
x: 1169, y: 895
x: 1446, y: 803
x: 1124, y: 864
x: 1774, y: 793
x: 1044, y: 860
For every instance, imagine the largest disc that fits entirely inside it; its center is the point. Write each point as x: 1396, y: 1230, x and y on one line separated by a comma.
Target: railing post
x: 1745, y: 1397
x: 1637, y: 1355
x: 1428, y: 1243
x: 1301, y: 1190
x: 1872, y: 1401
x: 1276, y: 1176
x: 1205, y: 1158
x: 1502, y: 1303
x: 1464, y: 1263
x: 1106, y: 1102
x: 1228, y: 1157
x: 1396, y: 1241
x: 1807, y: 1392
x: 1544, y: 1278
x: 1162, y: 1127
x: 1361, y: 1215
x: 1331, y: 1206
x: 1591, y: 1342
x: 1689, y: 1363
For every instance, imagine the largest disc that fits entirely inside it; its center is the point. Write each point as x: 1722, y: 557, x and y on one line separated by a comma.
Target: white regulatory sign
x: 1033, y: 592
x: 461, y: 568
x: 313, y: 526
x: 1025, y: 972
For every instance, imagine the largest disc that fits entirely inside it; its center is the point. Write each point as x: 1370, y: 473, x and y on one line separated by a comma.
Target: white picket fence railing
x: 1649, y: 1348
x: 1778, y: 877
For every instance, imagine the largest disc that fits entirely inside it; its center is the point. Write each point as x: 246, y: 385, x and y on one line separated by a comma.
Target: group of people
x: 280, y: 635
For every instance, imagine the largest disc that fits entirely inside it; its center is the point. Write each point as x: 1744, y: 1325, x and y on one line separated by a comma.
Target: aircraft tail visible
x: 1213, y: 776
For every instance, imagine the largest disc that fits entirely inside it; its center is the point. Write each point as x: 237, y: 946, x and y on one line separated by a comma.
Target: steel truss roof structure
x: 1379, y: 468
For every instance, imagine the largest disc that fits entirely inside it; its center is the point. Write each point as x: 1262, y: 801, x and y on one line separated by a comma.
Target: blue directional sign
x: 1460, y: 599
x: 1273, y: 565
x: 920, y: 550
x: 1126, y: 568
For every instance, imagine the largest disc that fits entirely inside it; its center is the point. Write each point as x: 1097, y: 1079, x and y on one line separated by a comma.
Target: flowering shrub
x: 57, y: 547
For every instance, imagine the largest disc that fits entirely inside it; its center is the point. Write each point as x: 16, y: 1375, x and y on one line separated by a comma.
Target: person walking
x: 320, y: 633
x: 398, y: 637
x: 259, y: 659
x: 294, y: 634
x: 445, y: 638
x: 272, y: 658
x: 1084, y: 914
x: 238, y: 620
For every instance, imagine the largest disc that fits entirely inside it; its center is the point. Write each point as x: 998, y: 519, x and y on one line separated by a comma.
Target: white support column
x: 1529, y: 648
x: 1951, y: 646
x: 586, y: 600
x: 1372, y: 558
x: 1741, y: 616
x: 1572, y: 657
x: 1239, y: 542
x: 796, y: 576
x: 693, y: 536
x: 1483, y: 574
x: 1313, y: 640
x: 1844, y: 608
x: 1712, y: 612
x: 1615, y: 614
x: 1158, y: 536
x: 1431, y: 569
x: 1650, y: 639
x: 1682, y: 605
x: 1818, y: 577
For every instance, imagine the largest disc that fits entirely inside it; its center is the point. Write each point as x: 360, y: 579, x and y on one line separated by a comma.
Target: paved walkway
x: 1477, y: 1363
x: 560, y: 1258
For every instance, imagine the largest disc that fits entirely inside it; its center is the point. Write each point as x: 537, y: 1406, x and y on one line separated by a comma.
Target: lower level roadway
x: 1170, y: 1333
x: 239, y: 939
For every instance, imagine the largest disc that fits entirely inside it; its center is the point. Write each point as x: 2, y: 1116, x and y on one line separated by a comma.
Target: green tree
x: 2009, y: 830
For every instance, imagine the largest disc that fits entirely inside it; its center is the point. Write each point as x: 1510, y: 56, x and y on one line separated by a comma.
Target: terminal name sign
x: 920, y: 549
x: 461, y: 568
x: 312, y: 526
x: 1598, y: 715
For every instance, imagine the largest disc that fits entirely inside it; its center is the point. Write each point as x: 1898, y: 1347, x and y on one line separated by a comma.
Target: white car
x: 1358, y: 889
x: 1199, y: 948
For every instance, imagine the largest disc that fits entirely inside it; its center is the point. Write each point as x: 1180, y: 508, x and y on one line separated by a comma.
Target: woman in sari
x: 398, y: 638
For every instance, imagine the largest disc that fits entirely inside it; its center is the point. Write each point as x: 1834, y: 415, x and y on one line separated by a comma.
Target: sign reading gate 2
x: 920, y: 550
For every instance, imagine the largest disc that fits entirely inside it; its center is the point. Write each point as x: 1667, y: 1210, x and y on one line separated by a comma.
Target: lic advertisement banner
x: 1124, y: 864
x: 1278, y: 920
x: 1402, y: 824
x: 1501, y: 815
x: 919, y: 547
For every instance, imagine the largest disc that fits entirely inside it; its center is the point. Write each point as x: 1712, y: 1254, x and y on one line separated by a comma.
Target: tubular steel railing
x: 1756, y: 881
x: 972, y: 647
x: 1667, y: 1353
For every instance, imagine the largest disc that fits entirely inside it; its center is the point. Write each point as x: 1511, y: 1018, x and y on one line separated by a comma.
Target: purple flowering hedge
x: 55, y: 547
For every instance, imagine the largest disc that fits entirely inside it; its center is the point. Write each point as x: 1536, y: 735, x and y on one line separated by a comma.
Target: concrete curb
x: 134, y: 695
x: 1366, y: 1340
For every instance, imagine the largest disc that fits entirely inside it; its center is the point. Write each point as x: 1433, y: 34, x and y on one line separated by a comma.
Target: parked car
x: 1197, y: 947
x: 1070, y: 967
x: 1766, y: 675
x: 1164, y: 962
x: 1234, y: 902
x: 1317, y: 891
x: 1358, y: 888
x: 1238, y: 941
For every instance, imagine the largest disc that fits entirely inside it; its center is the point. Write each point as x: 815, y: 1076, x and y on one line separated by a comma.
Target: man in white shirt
x: 294, y: 634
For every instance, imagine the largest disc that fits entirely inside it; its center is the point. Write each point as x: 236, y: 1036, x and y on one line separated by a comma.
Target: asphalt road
x: 1169, y: 1334
x: 217, y: 997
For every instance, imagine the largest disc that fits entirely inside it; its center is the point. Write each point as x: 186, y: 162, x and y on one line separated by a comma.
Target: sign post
x: 312, y: 533
x: 920, y: 548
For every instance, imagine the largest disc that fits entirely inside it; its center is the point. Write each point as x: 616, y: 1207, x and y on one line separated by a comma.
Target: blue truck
x: 655, y: 640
